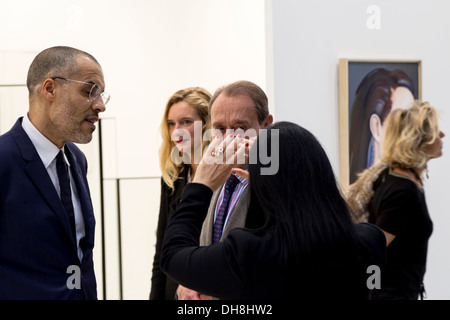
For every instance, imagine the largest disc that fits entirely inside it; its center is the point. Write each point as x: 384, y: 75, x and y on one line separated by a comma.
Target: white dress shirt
x: 48, y: 151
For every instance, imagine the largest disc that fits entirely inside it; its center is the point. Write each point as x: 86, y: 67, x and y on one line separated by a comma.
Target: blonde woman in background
x: 390, y: 194
x: 180, y: 154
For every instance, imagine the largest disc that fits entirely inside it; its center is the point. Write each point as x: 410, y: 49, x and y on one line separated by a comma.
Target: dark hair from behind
x: 58, y: 61
x: 302, y: 201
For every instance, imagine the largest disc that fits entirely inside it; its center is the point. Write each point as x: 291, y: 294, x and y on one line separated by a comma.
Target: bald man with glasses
x: 46, y: 216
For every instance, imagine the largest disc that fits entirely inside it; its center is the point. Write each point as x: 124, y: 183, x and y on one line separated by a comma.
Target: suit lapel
x: 82, y: 188
x: 38, y: 174
x: 207, y: 228
x: 236, y: 220
x: 239, y: 214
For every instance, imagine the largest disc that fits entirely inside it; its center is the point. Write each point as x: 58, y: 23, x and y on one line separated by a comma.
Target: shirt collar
x: 241, y: 179
x: 46, y: 149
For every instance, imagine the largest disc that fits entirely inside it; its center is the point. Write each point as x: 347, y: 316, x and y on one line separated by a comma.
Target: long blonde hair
x: 198, y: 98
x: 407, y: 132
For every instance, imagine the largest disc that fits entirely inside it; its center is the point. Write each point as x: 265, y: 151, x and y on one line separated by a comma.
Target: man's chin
x: 84, y: 139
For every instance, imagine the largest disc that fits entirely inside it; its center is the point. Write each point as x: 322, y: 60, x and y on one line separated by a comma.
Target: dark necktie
x: 66, y: 194
x: 223, y: 209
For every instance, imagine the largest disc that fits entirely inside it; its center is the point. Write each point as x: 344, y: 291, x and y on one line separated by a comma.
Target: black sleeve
x: 372, y: 239
x: 157, y: 291
x: 212, y: 270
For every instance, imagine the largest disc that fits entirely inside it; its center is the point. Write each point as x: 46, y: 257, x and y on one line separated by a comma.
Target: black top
x: 248, y: 265
x: 163, y: 287
x: 398, y: 206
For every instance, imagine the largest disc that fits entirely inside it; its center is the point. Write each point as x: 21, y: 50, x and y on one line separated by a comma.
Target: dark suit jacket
x: 163, y: 287
x: 249, y: 265
x: 36, y: 246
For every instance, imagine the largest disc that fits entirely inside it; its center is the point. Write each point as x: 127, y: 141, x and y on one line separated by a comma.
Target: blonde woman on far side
x: 179, y: 155
x: 391, y: 195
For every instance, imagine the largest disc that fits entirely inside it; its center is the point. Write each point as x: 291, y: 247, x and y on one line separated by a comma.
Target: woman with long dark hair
x: 299, y: 240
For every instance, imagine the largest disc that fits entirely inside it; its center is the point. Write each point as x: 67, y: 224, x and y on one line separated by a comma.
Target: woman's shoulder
x: 398, y: 188
x: 400, y: 181
x: 251, y: 242
x: 257, y: 254
x: 260, y: 236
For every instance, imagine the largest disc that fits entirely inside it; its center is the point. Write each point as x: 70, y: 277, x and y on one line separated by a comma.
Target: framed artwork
x: 368, y: 91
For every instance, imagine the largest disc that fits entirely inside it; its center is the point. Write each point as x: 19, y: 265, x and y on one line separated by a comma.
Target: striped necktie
x: 223, y: 209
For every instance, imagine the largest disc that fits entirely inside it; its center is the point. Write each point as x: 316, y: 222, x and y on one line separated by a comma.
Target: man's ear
x: 267, y: 121
x: 48, y: 89
x: 375, y: 127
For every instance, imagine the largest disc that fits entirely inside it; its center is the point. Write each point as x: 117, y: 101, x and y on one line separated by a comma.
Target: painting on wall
x: 368, y: 91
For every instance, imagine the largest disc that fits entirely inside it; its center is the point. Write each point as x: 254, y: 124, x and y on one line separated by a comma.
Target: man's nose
x: 99, y: 105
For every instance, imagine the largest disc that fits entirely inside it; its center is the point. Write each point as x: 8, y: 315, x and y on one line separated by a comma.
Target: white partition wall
x: 13, y: 103
x: 13, y: 90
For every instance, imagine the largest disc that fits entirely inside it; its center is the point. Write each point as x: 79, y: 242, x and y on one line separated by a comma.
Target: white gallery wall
x: 309, y: 37
x: 151, y: 48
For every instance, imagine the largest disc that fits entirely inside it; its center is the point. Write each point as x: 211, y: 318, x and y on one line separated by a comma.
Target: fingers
x: 229, y: 144
x: 241, y: 172
x: 229, y: 149
x: 184, y: 293
x: 219, y: 158
x: 247, y: 142
x: 216, y: 142
x: 241, y: 154
x: 213, y: 151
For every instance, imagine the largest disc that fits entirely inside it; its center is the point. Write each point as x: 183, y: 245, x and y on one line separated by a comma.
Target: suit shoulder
x: 7, y: 144
x: 5, y: 136
x: 74, y: 148
x: 76, y: 151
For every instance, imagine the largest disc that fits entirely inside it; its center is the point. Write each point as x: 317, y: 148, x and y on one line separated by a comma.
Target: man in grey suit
x: 241, y: 106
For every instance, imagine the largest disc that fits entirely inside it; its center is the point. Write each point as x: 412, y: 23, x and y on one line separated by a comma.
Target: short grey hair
x: 248, y: 89
x: 55, y: 61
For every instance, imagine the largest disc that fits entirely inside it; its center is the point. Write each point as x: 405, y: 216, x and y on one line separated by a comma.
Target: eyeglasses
x: 95, y: 91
